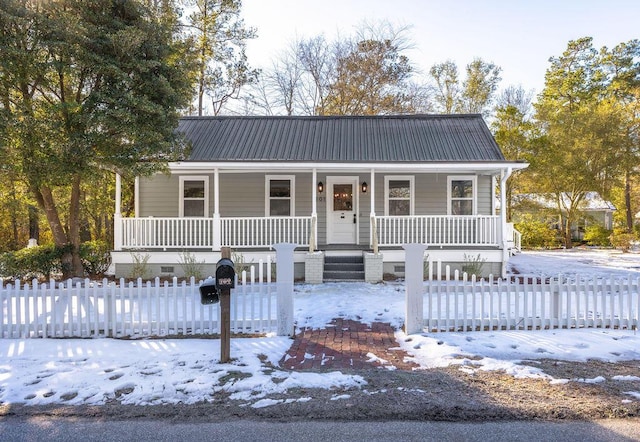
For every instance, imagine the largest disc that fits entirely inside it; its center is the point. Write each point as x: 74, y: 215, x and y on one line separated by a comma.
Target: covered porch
x: 336, y: 199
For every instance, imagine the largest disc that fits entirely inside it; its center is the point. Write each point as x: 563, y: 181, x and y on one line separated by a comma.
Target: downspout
x: 505, y: 174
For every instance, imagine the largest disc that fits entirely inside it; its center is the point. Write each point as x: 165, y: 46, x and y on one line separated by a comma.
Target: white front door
x: 342, y: 210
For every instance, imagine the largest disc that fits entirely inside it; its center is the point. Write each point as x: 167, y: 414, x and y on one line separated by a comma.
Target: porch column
x: 314, y: 212
x: 372, y: 214
x: 503, y: 218
x: 117, y: 215
x: 217, y: 234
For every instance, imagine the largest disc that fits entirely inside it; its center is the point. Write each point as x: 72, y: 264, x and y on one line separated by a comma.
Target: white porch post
x: 503, y: 218
x: 217, y: 233
x: 314, y: 212
x: 372, y: 214
x: 117, y: 215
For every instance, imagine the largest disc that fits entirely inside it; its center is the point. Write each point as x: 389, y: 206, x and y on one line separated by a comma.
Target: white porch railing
x: 265, y: 231
x: 514, y: 238
x: 163, y: 233
x: 438, y: 230
x: 200, y: 233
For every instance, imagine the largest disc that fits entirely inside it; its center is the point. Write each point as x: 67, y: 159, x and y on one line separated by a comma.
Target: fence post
x: 414, y: 277
x: 284, y: 283
x: 554, y: 321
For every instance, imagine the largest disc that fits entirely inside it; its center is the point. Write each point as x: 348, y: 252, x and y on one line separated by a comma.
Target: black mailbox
x: 209, y: 292
x: 225, y: 274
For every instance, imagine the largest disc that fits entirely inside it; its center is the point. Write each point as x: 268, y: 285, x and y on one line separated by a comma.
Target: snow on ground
x: 167, y: 371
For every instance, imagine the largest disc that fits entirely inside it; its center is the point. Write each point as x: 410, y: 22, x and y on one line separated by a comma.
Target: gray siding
x: 159, y: 196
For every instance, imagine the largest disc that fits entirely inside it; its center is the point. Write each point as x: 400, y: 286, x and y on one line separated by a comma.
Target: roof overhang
x: 482, y: 167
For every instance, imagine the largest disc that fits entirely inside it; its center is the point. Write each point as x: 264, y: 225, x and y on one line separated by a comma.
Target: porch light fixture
x: 364, y: 187
x: 320, y: 187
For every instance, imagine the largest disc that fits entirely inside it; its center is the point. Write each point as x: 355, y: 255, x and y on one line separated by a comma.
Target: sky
x: 518, y: 35
x: 171, y: 371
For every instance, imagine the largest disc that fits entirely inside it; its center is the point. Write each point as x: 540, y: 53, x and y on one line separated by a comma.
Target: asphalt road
x: 73, y: 429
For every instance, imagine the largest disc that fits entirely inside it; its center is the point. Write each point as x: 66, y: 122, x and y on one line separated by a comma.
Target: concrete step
x: 343, y: 259
x: 344, y: 266
x: 343, y: 276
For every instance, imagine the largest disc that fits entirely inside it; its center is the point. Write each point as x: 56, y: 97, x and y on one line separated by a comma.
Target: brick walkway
x: 345, y: 344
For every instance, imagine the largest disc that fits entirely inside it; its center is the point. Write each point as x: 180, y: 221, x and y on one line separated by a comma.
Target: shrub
x: 536, y: 233
x: 190, y: 265
x: 96, y: 257
x: 140, y: 268
x: 8, y: 265
x: 32, y: 262
x: 473, y: 265
x: 622, y: 241
x: 595, y: 235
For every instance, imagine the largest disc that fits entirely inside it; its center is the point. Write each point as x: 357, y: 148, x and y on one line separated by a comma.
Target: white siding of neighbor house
x: 243, y: 195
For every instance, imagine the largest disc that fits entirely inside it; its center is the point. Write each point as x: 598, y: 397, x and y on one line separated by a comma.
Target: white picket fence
x: 140, y: 309
x: 529, y: 303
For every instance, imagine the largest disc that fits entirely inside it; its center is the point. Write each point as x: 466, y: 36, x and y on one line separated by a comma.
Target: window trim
x: 474, y: 191
x: 412, y: 187
x: 267, y: 196
x: 205, y: 180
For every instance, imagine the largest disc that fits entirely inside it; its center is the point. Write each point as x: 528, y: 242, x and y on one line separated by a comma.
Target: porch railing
x: 514, y: 238
x: 438, y: 230
x: 201, y: 233
x: 163, y: 233
x: 265, y: 231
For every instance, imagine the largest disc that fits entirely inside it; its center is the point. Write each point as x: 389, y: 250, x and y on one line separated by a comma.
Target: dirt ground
x: 447, y: 394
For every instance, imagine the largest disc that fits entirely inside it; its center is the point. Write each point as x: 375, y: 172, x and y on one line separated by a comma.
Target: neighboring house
x: 594, y: 210
x: 346, y: 186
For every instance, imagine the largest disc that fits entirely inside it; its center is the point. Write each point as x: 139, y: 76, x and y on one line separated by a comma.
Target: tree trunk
x: 71, y: 263
x: 74, y: 228
x: 627, y: 201
x: 568, y: 244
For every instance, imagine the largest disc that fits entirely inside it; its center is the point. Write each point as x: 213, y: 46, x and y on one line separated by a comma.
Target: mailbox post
x: 225, y: 281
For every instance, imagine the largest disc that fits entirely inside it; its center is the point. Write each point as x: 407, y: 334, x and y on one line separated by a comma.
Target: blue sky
x: 517, y: 35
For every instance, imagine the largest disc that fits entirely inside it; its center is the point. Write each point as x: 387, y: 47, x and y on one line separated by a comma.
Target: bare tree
x: 219, y: 36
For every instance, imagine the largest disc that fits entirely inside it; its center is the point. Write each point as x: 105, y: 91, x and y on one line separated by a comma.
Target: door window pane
x: 342, y: 197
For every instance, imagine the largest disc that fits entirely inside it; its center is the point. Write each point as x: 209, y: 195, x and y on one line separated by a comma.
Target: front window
x: 462, y: 195
x: 398, y: 195
x: 280, y: 195
x: 194, y: 196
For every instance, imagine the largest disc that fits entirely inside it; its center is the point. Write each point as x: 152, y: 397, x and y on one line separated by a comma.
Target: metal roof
x: 346, y: 139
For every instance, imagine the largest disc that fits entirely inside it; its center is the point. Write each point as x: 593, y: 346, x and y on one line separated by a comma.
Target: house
x: 594, y: 210
x: 348, y: 190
